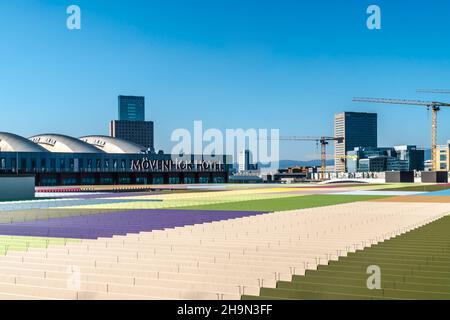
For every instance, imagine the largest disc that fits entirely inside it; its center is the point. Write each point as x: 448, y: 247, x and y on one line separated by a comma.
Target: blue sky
x: 231, y: 63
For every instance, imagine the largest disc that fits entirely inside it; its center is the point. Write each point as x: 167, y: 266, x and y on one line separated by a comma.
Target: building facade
x: 131, y: 108
x: 97, y: 160
x: 412, y: 155
x: 442, y: 160
x: 399, y: 158
x: 245, y: 159
x: 131, y: 125
x: 358, y: 130
x: 138, y: 132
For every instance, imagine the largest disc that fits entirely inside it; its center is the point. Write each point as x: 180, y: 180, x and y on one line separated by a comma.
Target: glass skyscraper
x: 359, y: 129
x: 131, y: 108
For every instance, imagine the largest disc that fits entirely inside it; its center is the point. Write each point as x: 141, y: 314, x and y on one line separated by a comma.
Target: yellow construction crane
x: 433, y: 105
x: 323, y: 141
x: 342, y: 158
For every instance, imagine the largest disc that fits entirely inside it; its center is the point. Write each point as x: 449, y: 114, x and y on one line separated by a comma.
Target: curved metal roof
x: 63, y: 144
x: 113, y: 145
x: 10, y: 142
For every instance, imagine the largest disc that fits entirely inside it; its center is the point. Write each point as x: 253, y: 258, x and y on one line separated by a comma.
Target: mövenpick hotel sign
x: 148, y: 165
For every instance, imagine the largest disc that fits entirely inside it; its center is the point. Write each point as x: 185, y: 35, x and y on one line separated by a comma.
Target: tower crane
x: 433, y: 105
x: 323, y: 141
x: 433, y: 91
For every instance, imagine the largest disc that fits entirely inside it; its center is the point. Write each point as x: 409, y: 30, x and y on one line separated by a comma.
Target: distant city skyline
x: 288, y: 65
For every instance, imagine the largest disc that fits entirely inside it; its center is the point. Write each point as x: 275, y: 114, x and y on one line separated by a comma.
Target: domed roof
x: 10, y: 142
x: 63, y: 144
x: 113, y: 145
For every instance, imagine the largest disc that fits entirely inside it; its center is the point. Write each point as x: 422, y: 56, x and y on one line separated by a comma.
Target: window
x: 106, y: 181
x: 49, y: 182
x: 124, y: 180
x: 174, y: 180
x: 158, y: 180
x: 204, y: 180
x: 141, y: 180
x: 69, y: 181
x: 23, y: 164
x: 218, y: 180
x: 88, y: 180
x: 189, y: 180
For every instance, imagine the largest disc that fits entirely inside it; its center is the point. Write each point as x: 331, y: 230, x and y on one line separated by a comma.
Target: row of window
x: 71, y: 181
x: 72, y: 164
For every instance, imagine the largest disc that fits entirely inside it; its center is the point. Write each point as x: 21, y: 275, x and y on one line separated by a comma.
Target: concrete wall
x: 400, y: 177
x: 435, y: 177
x: 16, y: 187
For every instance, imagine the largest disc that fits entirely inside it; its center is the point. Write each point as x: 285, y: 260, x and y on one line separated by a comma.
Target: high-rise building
x: 244, y: 160
x: 359, y: 129
x: 131, y: 125
x: 139, y: 132
x: 131, y: 108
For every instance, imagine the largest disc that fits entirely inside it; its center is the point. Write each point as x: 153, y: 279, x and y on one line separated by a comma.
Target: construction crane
x: 433, y: 105
x: 323, y: 141
x: 433, y: 91
x: 342, y: 158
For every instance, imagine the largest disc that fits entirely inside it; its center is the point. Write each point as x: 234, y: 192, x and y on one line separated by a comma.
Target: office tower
x: 131, y: 125
x: 358, y: 129
x: 244, y: 160
x: 139, y: 132
x: 131, y: 108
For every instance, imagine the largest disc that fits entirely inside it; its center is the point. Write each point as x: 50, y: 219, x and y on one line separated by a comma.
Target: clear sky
x: 231, y: 63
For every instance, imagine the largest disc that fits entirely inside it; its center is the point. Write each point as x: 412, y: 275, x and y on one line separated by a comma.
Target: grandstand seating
x: 235, y: 256
x: 415, y: 265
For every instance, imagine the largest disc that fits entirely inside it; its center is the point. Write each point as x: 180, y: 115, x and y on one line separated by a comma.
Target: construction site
x: 358, y: 157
